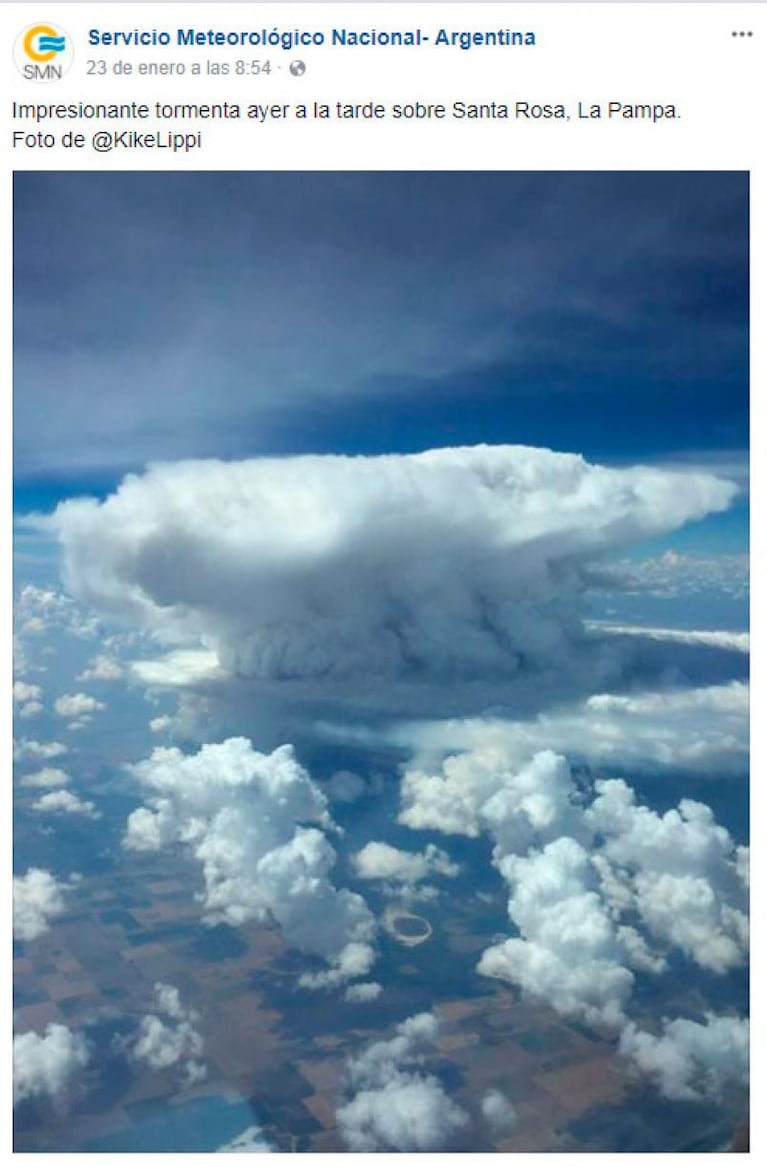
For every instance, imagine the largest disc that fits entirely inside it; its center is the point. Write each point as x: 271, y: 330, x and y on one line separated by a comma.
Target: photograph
x: 381, y: 661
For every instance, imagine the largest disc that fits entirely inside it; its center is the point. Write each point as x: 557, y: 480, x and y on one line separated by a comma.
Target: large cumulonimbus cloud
x: 449, y: 565
x: 244, y: 817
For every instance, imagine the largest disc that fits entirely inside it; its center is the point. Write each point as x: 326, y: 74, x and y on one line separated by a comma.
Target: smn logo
x: 43, y: 53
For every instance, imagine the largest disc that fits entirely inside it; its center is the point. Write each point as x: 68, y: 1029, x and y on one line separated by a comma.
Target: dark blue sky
x: 176, y: 315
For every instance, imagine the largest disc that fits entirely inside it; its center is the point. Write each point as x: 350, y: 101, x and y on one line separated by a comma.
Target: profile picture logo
x: 43, y: 52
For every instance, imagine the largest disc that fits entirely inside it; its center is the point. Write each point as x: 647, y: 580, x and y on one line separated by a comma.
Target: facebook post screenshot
x: 377, y: 416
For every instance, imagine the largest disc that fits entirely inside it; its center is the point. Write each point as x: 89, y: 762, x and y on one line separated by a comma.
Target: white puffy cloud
x: 169, y: 1001
x: 64, y: 802
x: 76, y: 705
x: 172, y: 1038
x: 382, y: 861
x: 176, y: 669
x: 639, y: 955
x: 45, y: 778
x: 364, y: 991
x: 44, y: 603
x: 683, y: 871
x: 41, y: 609
x: 29, y: 750
x: 499, y: 1113
x: 34, y: 626
x: 27, y: 697
x: 355, y: 959
x: 689, y: 1060
x: 345, y: 786
x: 600, y: 886
x: 102, y: 668
x: 244, y: 815
x: 161, y: 1045
x: 408, y: 1113
x: 160, y: 724
x: 686, y: 911
x: 22, y: 691
x: 458, y: 564
x: 193, y: 1072
x: 37, y: 899
x: 46, y: 1065
x: 20, y: 663
x: 489, y: 789
x: 251, y: 1140
x: 567, y: 951
x: 31, y: 709
x: 394, y: 1105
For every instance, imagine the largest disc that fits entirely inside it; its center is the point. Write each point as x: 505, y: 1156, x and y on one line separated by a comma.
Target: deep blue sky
x: 177, y: 315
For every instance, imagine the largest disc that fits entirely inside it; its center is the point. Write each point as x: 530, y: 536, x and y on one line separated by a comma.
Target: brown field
x: 323, y: 1075
x: 323, y: 1108
x: 551, y: 1072
x: 36, y: 1016
x: 580, y: 1085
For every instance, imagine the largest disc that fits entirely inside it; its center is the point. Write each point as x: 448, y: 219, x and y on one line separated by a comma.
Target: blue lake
x: 202, y: 1124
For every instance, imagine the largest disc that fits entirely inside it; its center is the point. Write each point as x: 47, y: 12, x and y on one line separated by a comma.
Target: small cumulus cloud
x: 364, y: 991
x: 47, y: 777
x: 47, y: 1066
x: 691, y: 1061
x: 346, y: 786
x: 250, y: 1141
x: 499, y: 1113
x: 102, y: 668
x: 39, y: 610
x: 29, y: 750
x: 78, y: 705
x: 171, y: 1038
x: 394, y: 1104
x: 31, y: 709
x: 379, y: 860
x: 24, y: 692
x: 64, y: 802
x: 20, y: 663
x: 34, y: 626
x: 38, y: 898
